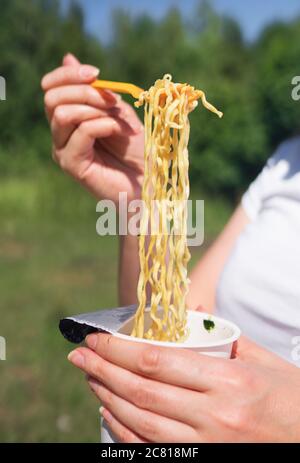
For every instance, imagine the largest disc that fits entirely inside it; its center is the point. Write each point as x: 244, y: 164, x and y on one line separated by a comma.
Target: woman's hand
x: 159, y: 394
x: 97, y: 138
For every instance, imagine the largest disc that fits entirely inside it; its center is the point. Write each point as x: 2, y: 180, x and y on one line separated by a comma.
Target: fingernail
x: 110, y: 97
x: 136, y: 126
x: 76, y: 358
x: 106, y: 414
x: 91, y: 341
x: 88, y: 72
x: 91, y: 384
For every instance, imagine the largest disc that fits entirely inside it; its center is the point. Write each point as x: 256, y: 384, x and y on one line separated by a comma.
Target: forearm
x: 203, y: 284
x: 129, y: 269
x: 202, y: 277
x: 205, y: 275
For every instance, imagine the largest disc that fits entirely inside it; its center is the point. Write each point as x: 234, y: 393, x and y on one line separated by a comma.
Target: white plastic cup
x: 217, y: 342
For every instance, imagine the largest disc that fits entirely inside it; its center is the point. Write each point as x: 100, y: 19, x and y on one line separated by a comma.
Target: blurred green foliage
x: 251, y: 84
x: 52, y: 263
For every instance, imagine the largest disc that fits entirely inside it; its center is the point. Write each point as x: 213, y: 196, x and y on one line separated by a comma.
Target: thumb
x: 70, y: 60
x: 249, y: 351
x: 245, y: 349
x: 199, y: 308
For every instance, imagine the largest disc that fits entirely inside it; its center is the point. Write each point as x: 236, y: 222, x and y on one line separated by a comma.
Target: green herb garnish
x: 208, y: 325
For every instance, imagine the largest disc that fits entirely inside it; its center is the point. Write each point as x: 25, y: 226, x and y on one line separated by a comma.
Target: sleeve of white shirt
x: 253, y: 198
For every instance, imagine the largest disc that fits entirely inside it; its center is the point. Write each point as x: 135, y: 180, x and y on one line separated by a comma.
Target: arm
x: 129, y: 269
x: 205, y: 275
x: 98, y: 139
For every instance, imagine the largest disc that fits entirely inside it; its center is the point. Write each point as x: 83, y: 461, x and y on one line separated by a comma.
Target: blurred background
x: 52, y: 263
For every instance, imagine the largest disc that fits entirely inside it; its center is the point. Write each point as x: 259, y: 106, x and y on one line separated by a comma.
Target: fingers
x: 199, y: 308
x: 163, y: 364
x: 77, y: 157
x: 67, y: 117
x: 148, y: 425
x: 75, y: 94
x: 142, y: 392
x: 160, y: 363
x: 84, y: 136
x: 57, y: 83
x: 122, y: 433
x: 248, y: 351
x: 70, y: 60
x: 128, y: 115
x: 67, y: 75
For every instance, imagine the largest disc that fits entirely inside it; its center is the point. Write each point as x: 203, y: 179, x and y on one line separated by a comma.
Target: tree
x: 251, y: 84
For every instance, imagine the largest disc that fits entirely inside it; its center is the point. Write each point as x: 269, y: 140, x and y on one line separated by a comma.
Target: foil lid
x: 77, y: 327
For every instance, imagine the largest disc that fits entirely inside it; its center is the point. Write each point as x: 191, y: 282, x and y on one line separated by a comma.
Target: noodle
x: 164, y: 257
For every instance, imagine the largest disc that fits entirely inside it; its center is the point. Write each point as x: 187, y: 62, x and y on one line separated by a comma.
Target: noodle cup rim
x: 205, y: 345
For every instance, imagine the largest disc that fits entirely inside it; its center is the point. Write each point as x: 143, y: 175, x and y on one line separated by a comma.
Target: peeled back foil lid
x: 77, y: 327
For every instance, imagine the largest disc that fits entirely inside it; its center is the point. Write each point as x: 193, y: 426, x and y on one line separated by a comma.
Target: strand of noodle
x: 165, y: 192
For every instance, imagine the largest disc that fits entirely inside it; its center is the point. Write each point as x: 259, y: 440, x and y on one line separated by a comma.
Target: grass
x: 53, y: 264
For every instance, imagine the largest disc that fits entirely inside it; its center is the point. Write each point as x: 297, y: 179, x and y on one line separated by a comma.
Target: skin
x: 146, y: 397
x: 205, y: 275
x: 98, y: 140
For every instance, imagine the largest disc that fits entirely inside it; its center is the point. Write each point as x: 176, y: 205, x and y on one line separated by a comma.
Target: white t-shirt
x: 259, y: 288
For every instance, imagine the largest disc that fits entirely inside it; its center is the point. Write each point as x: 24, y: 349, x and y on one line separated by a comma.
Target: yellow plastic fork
x: 119, y: 87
